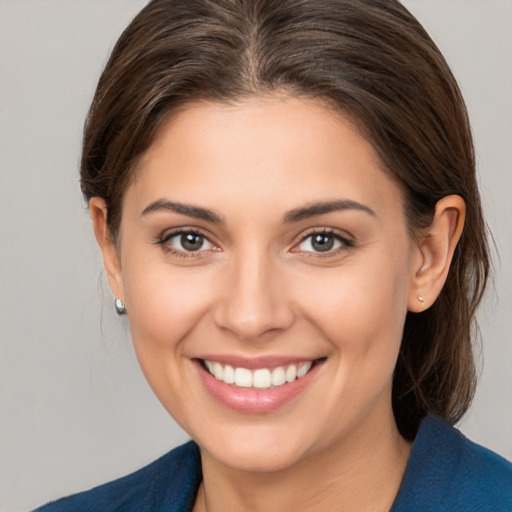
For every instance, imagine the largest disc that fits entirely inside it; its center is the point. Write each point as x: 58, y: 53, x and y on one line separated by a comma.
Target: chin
x: 256, y: 459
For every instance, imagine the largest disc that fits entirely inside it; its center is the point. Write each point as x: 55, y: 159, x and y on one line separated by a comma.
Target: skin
x: 257, y: 287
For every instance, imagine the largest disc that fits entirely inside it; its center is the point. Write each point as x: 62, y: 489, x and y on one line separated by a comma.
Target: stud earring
x: 421, y: 299
x: 120, y: 307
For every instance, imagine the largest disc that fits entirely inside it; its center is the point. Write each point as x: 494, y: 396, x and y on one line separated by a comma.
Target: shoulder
x: 170, y: 483
x: 447, y: 471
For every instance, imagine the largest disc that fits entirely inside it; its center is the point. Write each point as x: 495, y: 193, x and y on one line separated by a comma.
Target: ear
x: 434, y: 254
x: 108, y: 248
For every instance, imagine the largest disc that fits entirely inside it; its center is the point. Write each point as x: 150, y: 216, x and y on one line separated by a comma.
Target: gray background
x: 75, y: 410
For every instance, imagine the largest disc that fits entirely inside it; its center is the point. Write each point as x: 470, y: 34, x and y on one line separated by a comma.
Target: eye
x: 182, y: 242
x: 323, y: 242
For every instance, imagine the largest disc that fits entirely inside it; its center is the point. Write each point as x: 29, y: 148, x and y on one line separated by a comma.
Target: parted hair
x: 371, y: 60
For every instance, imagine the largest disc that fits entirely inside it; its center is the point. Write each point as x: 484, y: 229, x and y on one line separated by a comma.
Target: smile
x: 267, y: 385
x: 261, y: 378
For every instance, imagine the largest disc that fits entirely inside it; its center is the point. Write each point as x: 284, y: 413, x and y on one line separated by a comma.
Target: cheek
x: 360, y: 306
x: 164, y: 307
x: 164, y: 303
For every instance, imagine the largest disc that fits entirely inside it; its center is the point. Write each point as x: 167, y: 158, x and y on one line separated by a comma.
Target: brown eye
x: 322, y: 243
x: 191, y: 241
x: 187, y: 242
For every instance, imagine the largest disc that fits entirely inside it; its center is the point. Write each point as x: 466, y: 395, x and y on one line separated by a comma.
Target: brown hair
x: 371, y: 60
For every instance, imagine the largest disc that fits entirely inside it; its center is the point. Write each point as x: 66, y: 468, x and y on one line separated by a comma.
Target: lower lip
x: 252, y: 400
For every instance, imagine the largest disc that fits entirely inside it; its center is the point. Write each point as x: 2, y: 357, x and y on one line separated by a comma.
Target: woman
x: 285, y: 199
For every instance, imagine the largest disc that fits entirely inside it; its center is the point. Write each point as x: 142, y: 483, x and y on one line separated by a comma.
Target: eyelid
x: 346, y: 240
x: 166, y: 236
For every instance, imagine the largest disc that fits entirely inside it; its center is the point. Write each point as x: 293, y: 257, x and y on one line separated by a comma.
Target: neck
x: 360, y: 473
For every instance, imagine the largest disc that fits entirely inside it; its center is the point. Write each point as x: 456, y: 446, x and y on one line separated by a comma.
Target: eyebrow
x: 321, y: 208
x: 185, y: 209
x: 295, y: 215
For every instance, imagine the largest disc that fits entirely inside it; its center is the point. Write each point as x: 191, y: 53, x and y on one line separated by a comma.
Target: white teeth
x: 291, y: 373
x: 303, y: 369
x: 229, y: 374
x: 218, y: 371
x: 243, y: 378
x: 278, y: 376
x: 262, y: 378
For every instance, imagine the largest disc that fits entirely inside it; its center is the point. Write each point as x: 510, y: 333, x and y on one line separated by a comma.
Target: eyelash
x: 163, y: 242
x: 345, y: 242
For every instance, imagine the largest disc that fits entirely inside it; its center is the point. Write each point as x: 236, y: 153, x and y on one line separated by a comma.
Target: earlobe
x: 435, y: 251
x: 107, y: 245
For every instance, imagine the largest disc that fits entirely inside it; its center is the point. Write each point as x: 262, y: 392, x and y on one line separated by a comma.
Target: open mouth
x: 260, y: 378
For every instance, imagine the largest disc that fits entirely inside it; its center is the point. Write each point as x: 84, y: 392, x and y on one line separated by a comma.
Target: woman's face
x: 261, y: 239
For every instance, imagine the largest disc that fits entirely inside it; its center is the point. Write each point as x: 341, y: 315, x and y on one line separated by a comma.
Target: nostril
x: 253, y: 324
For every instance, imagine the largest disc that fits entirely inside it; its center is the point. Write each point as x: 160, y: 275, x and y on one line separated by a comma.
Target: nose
x: 253, y: 301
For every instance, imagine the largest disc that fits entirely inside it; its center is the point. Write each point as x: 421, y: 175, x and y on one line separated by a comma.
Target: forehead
x: 262, y: 150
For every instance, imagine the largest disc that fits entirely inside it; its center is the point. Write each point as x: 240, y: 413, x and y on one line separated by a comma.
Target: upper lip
x: 252, y: 363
